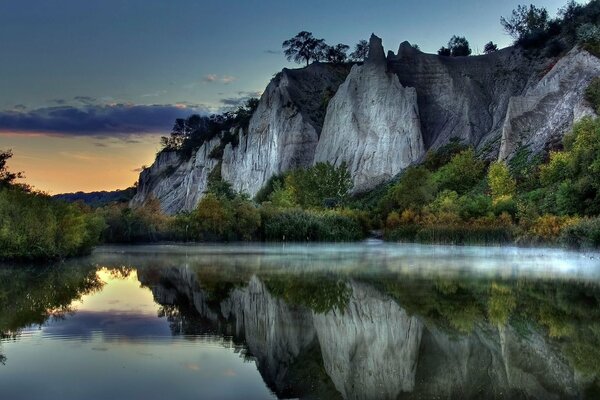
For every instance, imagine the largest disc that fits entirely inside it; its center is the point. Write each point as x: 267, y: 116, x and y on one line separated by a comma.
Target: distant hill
x: 99, y: 199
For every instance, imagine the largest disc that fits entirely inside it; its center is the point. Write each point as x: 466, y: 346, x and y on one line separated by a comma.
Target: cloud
x: 154, y: 94
x: 214, y: 78
x: 210, y: 78
x: 87, y: 100
x: 112, y: 120
x: 228, y: 79
x: 244, y: 96
x: 273, y: 51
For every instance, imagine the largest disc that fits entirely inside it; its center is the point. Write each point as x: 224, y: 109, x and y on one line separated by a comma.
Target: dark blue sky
x: 150, y: 51
x: 86, y: 84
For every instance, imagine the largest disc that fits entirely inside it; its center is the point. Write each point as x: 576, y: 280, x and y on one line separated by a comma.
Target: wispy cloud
x: 243, y: 97
x: 214, y: 78
x: 228, y: 79
x: 158, y: 93
x: 273, y: 51
x: 210, y: 78
x: 116, y: 120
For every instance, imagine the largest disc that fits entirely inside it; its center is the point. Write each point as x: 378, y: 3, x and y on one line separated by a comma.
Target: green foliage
x: 7, y: 177
x: 319, y: 292
x: 526, y: 21
x: 265, y: 192
x: 414, y: 189
x: 297, y: 225
x: 211, y: 219
x: 145, y: 223
x: 434, y: 160
x: 35, y: 226
x: 584, y: 234
x: 461, y: 174
x: 217, y: 186
x: 500, y: 181
x: 322, y: 185
x: 571, y: 178
x: 189, y: 134
x: 592, y: 94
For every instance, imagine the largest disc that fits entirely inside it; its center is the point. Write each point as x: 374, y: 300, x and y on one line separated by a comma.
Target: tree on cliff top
x: 361, y: 51
x: 336, y: 54
x: 526, y: 21
x: 303, y: 48
x: 459, y: 46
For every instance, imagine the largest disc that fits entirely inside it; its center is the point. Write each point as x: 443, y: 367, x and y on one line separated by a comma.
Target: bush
x: 35, y: 226
x: 583, y: 234
x: 592, y: 94
x: 548, y: 228
x: 299, y: 226
x: 211, y: 220
x: 462, y: 173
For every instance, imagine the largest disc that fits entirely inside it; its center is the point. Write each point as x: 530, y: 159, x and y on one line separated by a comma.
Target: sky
x: 88, y: 87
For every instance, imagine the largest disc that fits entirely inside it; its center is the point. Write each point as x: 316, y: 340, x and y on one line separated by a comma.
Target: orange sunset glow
x: 61, y: 164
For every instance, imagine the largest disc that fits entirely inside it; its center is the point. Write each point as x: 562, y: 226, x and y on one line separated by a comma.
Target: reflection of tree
x: 29, y: 296
x: 319, y: 292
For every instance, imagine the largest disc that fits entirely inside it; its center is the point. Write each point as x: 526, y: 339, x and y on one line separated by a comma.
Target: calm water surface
x: 360, y: 321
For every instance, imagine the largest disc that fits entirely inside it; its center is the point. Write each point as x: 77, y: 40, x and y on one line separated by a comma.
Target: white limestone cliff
x: 372, y: 123
x: 546, y: 111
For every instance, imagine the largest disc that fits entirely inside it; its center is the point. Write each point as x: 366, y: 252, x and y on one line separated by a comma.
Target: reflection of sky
x: 116, y: 347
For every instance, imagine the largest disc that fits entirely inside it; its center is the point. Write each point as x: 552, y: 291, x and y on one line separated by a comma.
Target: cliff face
x: 384, y: 115
x: 547, y: 110
x: 284, y: 131
x: 372, y: 123
x: 177, y: 184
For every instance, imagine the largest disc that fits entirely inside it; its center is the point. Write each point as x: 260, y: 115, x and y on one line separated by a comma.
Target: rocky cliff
x: 372, y: 123
x: 383, y: 115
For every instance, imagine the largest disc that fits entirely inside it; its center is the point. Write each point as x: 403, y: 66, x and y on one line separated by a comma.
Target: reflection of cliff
x: 371, y: 348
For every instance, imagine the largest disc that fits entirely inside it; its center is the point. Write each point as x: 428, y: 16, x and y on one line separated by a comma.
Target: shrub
x: 414, y: 190
x: 582, y: 234
x: 211, y: 219
x: 35, y: 226
x: 548, y: 228
x: 505, y: 205
x: 299, y: 225
x: 500, y: 181
x: 246, y: 219
x: 462, y: 173
x: 592, y: 94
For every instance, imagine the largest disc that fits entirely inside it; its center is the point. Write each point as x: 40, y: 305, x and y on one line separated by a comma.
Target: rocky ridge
x: 382, y: 116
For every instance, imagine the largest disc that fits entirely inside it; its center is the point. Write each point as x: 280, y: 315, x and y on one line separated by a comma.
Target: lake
x: 259, y: 321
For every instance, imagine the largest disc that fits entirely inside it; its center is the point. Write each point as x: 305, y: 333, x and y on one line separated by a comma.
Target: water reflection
x: 354, y: 322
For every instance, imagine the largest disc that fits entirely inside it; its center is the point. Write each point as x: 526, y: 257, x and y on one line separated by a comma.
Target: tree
x: 336, y: 54
x: 7, y: 178
x: 490, y: 47
x: 303, y: 48
x: 463, y: 172
x: 459, y: 46
x: 361, y: 51
x: 444, y: 51
x: 501, y: 182
x: 525, y: 21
